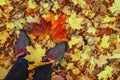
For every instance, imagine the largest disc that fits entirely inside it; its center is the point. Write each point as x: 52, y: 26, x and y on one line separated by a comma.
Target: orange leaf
x: 61, y: 21
x: 58, y: 32
x: 29, y: 12
x: 50, y: 18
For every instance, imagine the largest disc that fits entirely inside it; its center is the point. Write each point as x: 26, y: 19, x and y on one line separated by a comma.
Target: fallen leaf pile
x: 91, y: 28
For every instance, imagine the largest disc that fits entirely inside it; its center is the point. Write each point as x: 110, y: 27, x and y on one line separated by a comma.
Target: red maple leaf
x: 41, y: 29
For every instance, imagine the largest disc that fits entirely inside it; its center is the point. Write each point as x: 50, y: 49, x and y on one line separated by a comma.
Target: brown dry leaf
x: 70, y: 66
x: 102, y: 60
x: 1, y: 55
x: 69, y: 77
x: 106, y: 31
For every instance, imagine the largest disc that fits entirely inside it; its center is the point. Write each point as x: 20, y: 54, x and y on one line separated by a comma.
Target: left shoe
x: 21, y: 44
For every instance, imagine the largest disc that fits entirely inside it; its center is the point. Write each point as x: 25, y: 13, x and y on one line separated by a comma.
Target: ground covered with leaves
x: 90, y: 27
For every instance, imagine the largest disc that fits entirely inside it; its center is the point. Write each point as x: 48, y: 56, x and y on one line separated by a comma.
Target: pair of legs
x: 19, y: 71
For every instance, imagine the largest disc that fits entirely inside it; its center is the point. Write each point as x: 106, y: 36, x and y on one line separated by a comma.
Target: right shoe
x: 56, y: 53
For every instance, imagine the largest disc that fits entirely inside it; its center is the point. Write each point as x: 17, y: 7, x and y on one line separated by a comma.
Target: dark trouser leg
x: 18, y: 71
x: 43, y: 73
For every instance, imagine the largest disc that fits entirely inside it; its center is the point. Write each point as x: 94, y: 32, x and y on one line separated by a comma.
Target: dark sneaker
x: 56, y: 53
x: 21, y: 44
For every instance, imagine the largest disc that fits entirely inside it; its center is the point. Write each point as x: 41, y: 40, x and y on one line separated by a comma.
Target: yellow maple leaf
x: 31, y: 19
x: 85, y: 55
x: 93, y: 63
x: 18, y: 24
x: 74, y: 40
x: 3, y: 73
x: 44, y: 5
x: 66, y: 10
x: 107, y: 73
x: 1, y: 13
x: 70, y: 66
x: 36, y: 53
x: 108, y: 19
x: 82, y: 3
x: 75, y: 57
x: 92, y: 60
x: 1, y: 56
x: 32, y: 38
x: 74, y: 21
x: 3, y: 36
x: 56, y: 6
x: 115, y: 56
x: 105, y: 43
x: 75, y: 1
x: 118, y: 38
x: 115, y: 9
x: 2, y: 2
x: 117, y: 50
x: 31, y: 4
